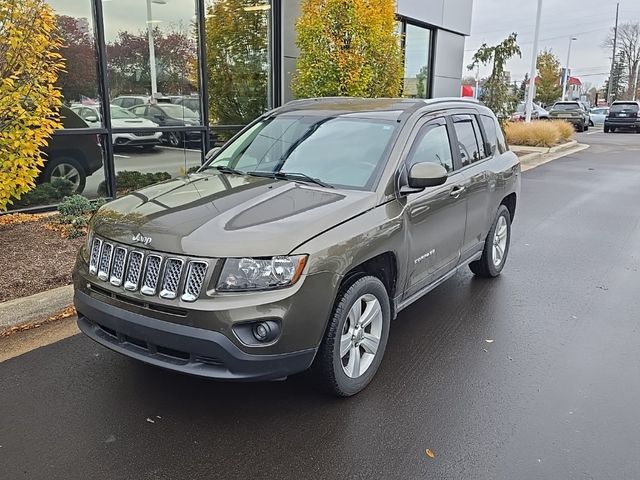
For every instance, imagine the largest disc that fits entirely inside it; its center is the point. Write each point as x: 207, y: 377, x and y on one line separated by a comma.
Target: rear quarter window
x: 495, y: 138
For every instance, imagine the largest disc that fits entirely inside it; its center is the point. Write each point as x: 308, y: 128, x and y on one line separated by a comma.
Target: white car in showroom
x: 121, y: 118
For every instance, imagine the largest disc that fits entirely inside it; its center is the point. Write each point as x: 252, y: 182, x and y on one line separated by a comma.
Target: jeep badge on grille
x: 139, y: 238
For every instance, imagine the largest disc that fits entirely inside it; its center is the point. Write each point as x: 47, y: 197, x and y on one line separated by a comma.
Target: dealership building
x: 143, y: 61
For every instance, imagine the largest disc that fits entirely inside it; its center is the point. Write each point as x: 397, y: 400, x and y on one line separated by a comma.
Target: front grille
x: 148, y: 273
x: 195, y: 279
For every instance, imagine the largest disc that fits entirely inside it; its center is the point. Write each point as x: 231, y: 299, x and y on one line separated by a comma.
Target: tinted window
x: 567, y: 106
x: 178, y: 111
x: 624, y: 107
x: 432, y: 145
x: 344, y: 152
x: 495, y: 137
x: 139, y: 111
x: 469, y: 138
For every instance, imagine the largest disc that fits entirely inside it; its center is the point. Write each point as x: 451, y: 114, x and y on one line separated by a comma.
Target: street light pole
x: 152, y: 49
x: 635, y: 82
x: 532, y: 71
x: 613, y: 57
x: 566, y: 70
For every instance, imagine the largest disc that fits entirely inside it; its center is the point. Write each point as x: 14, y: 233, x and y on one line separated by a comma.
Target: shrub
x: 538, y: 134
x: 74, y: 206
x: 565, y: 128
x: 29, y: 100
x: 129, y: 181
x: 46, y: 194
x: 348, y: 48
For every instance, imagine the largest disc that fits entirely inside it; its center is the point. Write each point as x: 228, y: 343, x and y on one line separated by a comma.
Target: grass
x: 540, y: 133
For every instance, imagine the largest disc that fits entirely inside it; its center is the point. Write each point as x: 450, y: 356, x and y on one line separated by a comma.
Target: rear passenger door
x: 475, y: 155
x: 435, y: 217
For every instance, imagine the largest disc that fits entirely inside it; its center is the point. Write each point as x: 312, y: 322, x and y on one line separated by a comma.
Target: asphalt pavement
x: 534, y: 375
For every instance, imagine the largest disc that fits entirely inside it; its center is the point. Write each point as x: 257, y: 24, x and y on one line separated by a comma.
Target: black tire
x: 586, y: 127
x: 485, y: 267
x: 606, y: 129
x: 328, y: 365
x: 175, y: 139
x: 613, y: 130
x: 591, y: 124
x: 580, y: 128
x: 53, y: 168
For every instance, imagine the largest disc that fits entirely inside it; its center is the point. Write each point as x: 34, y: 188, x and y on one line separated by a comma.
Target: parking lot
x: 529, y: 376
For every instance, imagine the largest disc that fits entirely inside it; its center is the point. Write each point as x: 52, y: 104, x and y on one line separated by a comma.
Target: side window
x: 432, y: 145
x: 495, y: 137
x: 469, y: 139
x: 139, y: 111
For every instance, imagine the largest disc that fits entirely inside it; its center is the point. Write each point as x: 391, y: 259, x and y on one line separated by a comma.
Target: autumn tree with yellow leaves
x: 348, y: 48
x: 30, y: 64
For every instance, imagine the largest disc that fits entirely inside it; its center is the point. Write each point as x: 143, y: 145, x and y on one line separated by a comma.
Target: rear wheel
x: 66, y: 168
x: 355, y: 339
x: 606, y: 129
x: 175, y: 139
x: 580, y: 127
x: 496, y: 246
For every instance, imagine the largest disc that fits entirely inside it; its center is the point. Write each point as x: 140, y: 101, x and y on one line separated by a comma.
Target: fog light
x: 262, y: 332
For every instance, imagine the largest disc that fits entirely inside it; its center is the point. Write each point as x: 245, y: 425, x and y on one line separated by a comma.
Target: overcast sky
x: 588, y: 20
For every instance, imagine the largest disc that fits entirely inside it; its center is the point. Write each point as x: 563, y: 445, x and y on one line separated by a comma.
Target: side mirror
x: 91, y: 118
x: 425, y: 175
x: 211, y: 153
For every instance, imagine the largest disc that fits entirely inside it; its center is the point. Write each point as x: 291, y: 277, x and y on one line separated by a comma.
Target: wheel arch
x: 510, y: 201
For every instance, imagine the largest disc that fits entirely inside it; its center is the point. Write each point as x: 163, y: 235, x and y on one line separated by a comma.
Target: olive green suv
x: 298, y: 242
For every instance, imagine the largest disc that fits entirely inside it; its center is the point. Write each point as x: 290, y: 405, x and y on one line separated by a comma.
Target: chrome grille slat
x: 151, y: 275
x: 96, y: 248
x: 147, y: 272
x: 118, y: 266
x: 134, y: 269
x: 105, y: 261
x: 171, y: 279
x: 196, y: 273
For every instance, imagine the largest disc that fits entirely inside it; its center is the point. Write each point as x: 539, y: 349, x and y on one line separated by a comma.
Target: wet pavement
x: 534, y: 375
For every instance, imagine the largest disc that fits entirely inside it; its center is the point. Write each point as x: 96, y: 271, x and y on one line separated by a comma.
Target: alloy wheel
x: 361, y: 335
x: 500, y: 241
x: 67, y: 172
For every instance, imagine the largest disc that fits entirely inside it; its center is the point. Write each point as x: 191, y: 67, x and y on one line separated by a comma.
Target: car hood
x: 132, y: 123
x: 219, y: 215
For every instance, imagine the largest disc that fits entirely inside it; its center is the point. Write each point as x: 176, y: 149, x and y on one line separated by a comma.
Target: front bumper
x: 178, y: 347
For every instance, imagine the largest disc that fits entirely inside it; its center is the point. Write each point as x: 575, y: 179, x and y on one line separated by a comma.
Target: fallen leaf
x: 430, y: 454
x: 488, y: 340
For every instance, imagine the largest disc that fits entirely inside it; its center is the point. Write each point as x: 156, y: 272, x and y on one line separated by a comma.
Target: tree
x: 618, y: 79
x: 348, y: 48
x: 422, y: 77
x: 78, y: 48
x: 629, y: 48
x: 129, y: 67
x: 237, y: 37
x: 548, y: 89
x: 522, y: 91
x: 30, y: 64
x: 497, y: 92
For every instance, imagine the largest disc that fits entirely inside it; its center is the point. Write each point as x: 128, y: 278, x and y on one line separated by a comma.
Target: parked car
x: 623, y: 115
x: 73, y: 156
x: 597, y: 115
x: 170, y: 115
x: 297, y: 243
x: 192, y: 102
x: 573, y: 112
x: 128, y: 101
x: 121, y: 118
x: 538, y: 113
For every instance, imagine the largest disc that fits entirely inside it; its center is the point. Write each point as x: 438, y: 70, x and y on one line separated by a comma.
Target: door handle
x: 457, y: 191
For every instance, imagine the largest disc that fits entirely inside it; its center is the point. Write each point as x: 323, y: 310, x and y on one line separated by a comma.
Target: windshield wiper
x: 292, y: 176
x: 225, y: 169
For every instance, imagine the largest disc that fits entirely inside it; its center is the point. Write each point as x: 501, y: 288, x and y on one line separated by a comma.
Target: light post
x: 566, y: 69
x: 152, y: 49
x: 532, y: 72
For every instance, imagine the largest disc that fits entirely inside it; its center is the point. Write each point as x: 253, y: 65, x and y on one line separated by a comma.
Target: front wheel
x: 606, y: 129
x: 496, y: 246
x: 66, y: 168
x: 175, y: 139
x: 355, y: 339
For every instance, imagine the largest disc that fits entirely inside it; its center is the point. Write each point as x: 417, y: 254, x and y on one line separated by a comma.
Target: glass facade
x: 418, y: 69
x: 142, y: 102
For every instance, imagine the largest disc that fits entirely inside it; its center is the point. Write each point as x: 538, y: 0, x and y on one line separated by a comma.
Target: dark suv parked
x: 573, y: 112
x: 298, y: 243
x: 623, y: 115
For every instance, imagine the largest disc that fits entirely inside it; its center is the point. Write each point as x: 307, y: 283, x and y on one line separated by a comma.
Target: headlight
x: 243, y: 274
x: 85, y: 250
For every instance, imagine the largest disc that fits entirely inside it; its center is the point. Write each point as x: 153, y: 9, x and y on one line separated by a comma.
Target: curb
x: 536, y: 159
x: 35, y: 308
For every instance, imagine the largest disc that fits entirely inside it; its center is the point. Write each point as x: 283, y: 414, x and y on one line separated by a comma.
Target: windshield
x: 566, y: 106
x: 178, y: 111
x: 120, y: 113
x: 624, y: 107
x: 343, y: 152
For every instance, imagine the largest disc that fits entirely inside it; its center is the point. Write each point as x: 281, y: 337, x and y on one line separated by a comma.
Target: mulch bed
x: 34, y: 259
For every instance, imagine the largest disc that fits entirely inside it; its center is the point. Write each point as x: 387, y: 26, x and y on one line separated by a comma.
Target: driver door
x: 436, y: 217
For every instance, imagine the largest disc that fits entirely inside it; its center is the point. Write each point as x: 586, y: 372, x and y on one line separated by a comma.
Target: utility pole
x: 532, y: 72
x: 613, y: 58
x: 566, y: 70
x: 635, y: 82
